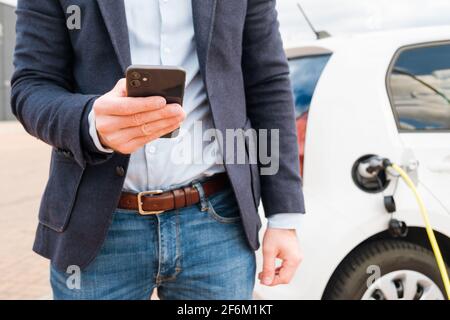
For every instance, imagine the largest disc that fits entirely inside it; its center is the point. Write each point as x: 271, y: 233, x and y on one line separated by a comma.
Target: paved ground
x: 24, y: 165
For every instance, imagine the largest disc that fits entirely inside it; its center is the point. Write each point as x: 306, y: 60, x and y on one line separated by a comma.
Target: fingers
x: 110, y: 123
x: 125, y: 106
x: 286, y: 272
x: 151, y: 129
x: 134, y: 144
x: 283, y: 274
x: 268, y: 273
x: 116, y: 102
x: 280, y: 244
x: 120, y: 89
x: 125, y: 124
x: 169, y: 111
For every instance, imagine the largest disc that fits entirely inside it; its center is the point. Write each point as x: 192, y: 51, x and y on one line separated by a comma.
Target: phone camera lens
x: 135, y: 83
x: 135, y: 75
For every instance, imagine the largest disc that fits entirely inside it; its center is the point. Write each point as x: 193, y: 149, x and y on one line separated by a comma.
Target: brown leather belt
x: 157, y: 201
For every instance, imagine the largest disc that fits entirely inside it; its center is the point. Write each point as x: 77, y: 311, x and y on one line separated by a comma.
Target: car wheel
x: 387, y: 270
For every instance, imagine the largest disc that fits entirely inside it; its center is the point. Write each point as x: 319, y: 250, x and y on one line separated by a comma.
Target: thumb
x: 120, y: 88
x: 268, y: 272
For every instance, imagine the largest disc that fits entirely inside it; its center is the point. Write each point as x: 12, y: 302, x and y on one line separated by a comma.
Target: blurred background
x: 355, y: 16
x: 24, y: 161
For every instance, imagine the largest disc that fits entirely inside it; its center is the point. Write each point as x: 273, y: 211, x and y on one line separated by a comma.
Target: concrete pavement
x: 24, y: 163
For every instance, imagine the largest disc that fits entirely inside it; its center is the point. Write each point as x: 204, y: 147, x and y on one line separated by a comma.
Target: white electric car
x: 385, y: 94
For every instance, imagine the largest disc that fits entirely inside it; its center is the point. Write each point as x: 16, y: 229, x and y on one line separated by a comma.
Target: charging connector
x: 369, y: 175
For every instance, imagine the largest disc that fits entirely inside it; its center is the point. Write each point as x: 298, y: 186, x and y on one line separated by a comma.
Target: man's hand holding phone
x: 125, y: 124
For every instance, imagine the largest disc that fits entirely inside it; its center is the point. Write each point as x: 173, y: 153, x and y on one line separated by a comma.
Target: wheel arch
x: 416, y: 235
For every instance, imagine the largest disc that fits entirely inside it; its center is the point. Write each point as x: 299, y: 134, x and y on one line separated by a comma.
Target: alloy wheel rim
x: 403, y: 285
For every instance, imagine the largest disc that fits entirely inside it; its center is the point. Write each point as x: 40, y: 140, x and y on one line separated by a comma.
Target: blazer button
x: 120, y: 171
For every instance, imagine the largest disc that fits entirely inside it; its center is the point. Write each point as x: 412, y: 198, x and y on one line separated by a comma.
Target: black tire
x: 349, y: 281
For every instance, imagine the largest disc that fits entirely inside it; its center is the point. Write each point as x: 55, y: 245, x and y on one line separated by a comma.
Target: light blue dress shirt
x: 161, y: 32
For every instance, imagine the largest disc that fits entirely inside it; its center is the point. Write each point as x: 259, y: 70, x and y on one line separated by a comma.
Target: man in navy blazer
x: 67, y: 91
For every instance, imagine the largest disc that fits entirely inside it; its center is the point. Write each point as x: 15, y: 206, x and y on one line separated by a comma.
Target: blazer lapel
x: 113, y: 12
x: 204, y: 12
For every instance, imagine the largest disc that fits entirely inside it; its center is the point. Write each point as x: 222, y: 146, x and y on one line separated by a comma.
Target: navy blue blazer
x: 60, y: 72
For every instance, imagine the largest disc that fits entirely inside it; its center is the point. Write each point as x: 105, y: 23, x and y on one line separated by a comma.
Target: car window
x: 419, y: 84
x: 305, y: 73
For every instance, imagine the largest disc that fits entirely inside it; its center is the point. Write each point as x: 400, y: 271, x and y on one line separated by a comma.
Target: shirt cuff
x: 94, y: 135
x: 285, y: 221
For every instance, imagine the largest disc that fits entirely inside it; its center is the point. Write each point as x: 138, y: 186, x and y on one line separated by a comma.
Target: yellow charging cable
x: 429, y: 229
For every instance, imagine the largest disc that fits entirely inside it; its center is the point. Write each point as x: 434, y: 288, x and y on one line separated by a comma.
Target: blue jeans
x: 186, y: 254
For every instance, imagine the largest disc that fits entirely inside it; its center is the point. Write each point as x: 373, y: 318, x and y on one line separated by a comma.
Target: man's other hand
x: 280, y: 244
x: 125, y: 124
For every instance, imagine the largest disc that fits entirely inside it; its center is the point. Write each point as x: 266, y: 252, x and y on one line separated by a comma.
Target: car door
x: 419, y: 90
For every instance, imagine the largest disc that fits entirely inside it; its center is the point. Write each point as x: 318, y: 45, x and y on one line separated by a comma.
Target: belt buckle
x: 142, y: 212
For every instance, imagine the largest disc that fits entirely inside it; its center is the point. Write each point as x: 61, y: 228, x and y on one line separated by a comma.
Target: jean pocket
x: 223, y: 207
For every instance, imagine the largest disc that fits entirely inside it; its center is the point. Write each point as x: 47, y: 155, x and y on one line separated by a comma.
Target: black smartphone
x: 163, y: 81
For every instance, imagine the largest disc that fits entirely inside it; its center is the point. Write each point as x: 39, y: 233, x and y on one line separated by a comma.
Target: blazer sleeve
x: 43, y: 96
x: 270, y: 105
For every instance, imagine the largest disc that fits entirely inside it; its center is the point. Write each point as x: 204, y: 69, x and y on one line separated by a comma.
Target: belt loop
x: 203, y: 200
